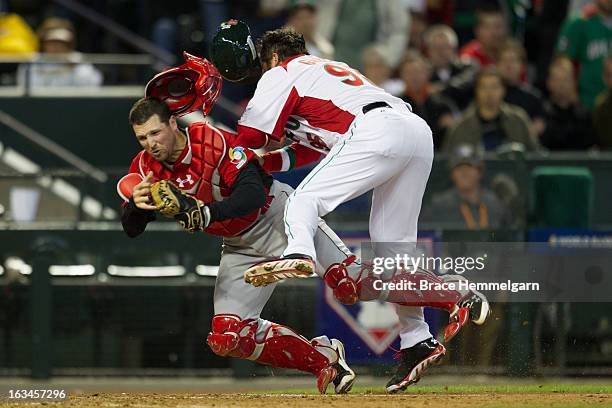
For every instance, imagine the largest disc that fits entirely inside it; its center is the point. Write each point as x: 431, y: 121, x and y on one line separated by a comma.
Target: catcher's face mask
x: 192, y: 86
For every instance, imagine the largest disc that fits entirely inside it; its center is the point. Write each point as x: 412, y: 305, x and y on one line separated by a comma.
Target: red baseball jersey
x: 207, y: 168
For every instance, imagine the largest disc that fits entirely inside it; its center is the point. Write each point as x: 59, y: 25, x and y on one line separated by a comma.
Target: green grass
x: 475, y: 389
x: 512, y: 388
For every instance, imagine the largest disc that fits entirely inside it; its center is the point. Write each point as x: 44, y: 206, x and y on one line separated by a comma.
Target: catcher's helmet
x: 184, y: 89
x: 233, y: 53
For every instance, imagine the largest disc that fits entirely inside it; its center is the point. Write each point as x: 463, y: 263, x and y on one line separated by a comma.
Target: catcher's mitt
x: 173, y: 203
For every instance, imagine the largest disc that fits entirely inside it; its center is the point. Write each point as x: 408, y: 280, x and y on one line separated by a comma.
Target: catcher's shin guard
x: 444, y: 292
x: 338, y: 279
x: 429, y: 290
x: 280, y: 347
x: 473, y: 306
x: 368, y: 286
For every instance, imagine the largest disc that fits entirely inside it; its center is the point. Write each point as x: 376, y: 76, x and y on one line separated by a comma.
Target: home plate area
x: 170, y: 393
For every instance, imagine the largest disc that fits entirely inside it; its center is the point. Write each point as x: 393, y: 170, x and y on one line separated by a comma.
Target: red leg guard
x: 367, y: 287
x: 287, y: 349
x: 344, y: 287
x: 231, y: 336
x: 281, y: 346
x: 370, y: 288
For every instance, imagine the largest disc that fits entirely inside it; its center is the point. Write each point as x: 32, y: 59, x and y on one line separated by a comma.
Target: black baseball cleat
x: 345, y: 377
x: 413, y: 362
x: 474, y: 306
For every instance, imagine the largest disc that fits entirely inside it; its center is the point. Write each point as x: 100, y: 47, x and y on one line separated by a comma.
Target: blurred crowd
x: 485, y: 74
x: 534, y: 72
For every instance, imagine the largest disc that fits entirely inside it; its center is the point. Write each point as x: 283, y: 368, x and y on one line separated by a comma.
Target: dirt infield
x: 191, y: 400
x: 283, y: 392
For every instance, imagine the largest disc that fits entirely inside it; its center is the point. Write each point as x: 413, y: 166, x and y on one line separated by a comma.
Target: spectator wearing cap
x: 467, y: 204
x: 438, y: 111
x: 491, y: 32
x: 303, y: 19
x: 602, y: 112
x: 63, y: 66
x: 455, y: 77
x: 568, y: 123
x: 512, y: 65
x: 490, y: 122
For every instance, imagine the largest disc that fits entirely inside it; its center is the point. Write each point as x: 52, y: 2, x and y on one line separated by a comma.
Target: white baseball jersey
x: 299, y: 130
x: 325, y: 95
x: 389, y: 150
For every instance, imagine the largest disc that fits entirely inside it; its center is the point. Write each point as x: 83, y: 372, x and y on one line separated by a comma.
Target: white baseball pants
x: 389, y: 151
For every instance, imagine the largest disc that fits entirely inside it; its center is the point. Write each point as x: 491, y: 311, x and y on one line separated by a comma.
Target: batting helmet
x: 195, y: 85
x: 233, y: 53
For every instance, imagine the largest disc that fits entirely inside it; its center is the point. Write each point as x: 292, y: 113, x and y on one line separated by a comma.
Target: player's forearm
x: 289, y: 157
x: 248, y: 195
x: 276, y: 160
x: 134, y: 220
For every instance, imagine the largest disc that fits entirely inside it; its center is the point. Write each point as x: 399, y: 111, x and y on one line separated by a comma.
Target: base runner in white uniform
x: 373, y: 142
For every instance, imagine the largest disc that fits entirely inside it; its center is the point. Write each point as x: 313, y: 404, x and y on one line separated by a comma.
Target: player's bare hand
x: 142, y: 193
x: 276, y: 144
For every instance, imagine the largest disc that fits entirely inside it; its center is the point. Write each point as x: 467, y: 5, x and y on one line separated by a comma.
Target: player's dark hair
x: 285, y: 42
x: 145, y: 108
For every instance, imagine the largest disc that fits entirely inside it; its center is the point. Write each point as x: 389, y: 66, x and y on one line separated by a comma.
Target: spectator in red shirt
x: 491, y: 33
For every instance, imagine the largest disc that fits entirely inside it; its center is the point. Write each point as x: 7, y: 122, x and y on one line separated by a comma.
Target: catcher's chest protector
x: 199, y: 175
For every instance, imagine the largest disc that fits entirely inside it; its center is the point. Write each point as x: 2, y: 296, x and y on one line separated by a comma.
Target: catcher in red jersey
x: 203, y: 179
